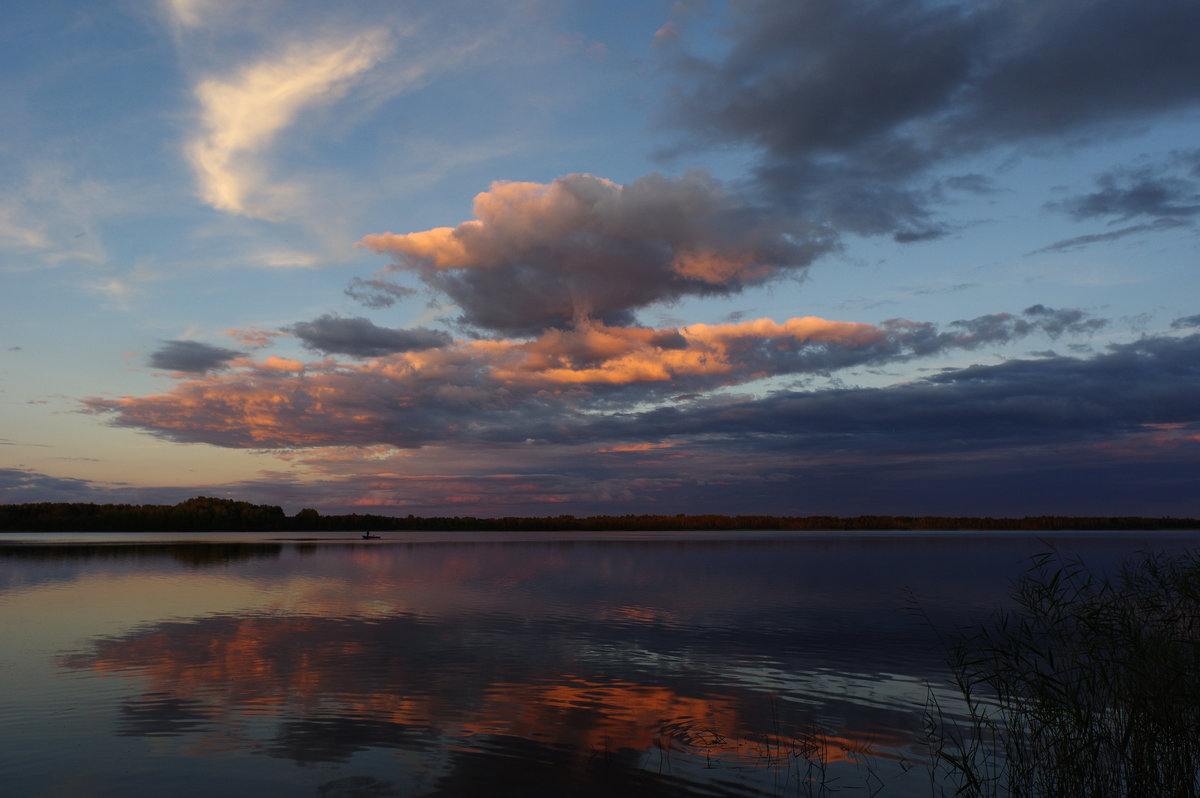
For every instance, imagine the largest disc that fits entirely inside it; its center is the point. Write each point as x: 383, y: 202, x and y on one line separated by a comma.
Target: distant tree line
x: 194, y: 515
x: 210, y: 514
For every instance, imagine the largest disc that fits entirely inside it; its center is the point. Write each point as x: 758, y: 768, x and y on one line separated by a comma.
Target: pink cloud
x: 255, y: 338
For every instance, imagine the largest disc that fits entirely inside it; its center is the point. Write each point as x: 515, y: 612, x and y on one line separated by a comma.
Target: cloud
x: 359, y: 337
x: 1186, y: 322
x: 191, y: 357
x: 971, y: 183
x: 1111, y: 433
x: 19, y: 485
x: 1112, y: 235
x: 377, y: 293
x: 1052, y: 69
x: 1056, y: 322
x: 277, y: 96
x: 18, y: 230
x: 550, y: 388
x: 51, y: 215
x: 255, y: 338
x: 827, y: 76
x: 667, y: 35
x: 851, y: 104
x: 243, y: 114
x: 189, y: 13
x: 1126, y: 194
x: 544, y: 255
x: 1141, y: 391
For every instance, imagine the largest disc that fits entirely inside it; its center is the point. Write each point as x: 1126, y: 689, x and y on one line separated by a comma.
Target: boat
x: 369, y: 536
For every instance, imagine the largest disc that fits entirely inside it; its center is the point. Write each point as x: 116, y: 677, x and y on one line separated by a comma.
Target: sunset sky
x: 585, y: 256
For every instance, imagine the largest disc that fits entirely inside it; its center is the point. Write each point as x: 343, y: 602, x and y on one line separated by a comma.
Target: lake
x: 422, y: 664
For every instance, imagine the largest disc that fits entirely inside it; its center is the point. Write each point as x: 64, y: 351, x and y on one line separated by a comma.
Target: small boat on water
x: 369, y: 536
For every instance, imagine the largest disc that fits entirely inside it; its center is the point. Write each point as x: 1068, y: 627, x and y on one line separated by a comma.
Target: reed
x: 1090, y: 687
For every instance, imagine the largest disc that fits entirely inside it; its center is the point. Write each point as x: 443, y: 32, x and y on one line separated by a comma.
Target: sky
x: 551, y: 257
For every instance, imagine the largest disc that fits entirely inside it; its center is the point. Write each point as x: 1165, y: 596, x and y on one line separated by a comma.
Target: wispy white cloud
x: 284, y: 259
x: 120, y: 290
x: 17, y: 230
x: 243, y: 115
x: 51, y: 215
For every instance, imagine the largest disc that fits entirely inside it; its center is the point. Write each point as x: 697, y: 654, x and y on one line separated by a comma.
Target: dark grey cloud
x: 191, y: 357
x: 909, y: 236
x: 377, y: 293
x: 1113, y: 433
x: 903, y: 340
x: 828, y: 77
x: 1063, y: 320
x: 1190, y: 159
x: 855, y: 195
x: 943, y: 289
x: 1053, y: 68
x: 24, y: 485
x: 20, y: 485
x: 1075, y: 242
x: 850, y: 102
x: 1186, y: 322
x: 1022, y: 403
x: 908, y: 339
x: 359, y: 337
x: 1126, y: 194
x: 972, y: 184
x: 670, y: 339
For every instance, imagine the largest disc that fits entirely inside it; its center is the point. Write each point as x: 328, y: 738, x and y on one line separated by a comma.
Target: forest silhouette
x: 208, y: 514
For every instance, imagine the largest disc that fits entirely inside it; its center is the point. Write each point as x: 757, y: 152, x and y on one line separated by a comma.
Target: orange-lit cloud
x: 471, y: 389
x: 635, y: 447
x: 254, y: 337
x: 540, y: 255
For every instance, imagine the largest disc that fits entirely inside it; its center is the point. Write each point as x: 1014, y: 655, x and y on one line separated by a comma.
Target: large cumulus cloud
x: 546, y: 255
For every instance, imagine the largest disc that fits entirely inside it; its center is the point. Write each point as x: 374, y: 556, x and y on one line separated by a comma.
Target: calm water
x: 464, y: 664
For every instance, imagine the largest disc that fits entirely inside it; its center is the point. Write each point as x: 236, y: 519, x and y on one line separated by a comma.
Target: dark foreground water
x: 476, y: 664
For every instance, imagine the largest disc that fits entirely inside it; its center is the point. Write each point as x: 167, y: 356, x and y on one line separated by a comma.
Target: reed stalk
x: 1089, y: 687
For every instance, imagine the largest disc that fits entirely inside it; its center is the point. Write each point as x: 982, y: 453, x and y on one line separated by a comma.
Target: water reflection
x: 387, y: 681
x: 195, y: 554
x: 66, y: 561
x: 162, y: 714
x: 582, y: 667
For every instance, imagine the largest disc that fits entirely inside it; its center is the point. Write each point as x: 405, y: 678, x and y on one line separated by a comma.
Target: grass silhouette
x: 1090, y: 686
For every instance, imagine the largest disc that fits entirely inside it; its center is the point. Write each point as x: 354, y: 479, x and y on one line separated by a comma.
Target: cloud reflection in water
x: 688, y: 667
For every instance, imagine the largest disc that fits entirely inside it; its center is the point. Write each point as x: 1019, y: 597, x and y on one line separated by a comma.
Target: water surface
x: 755, y: 664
